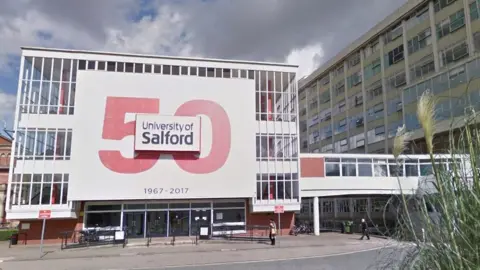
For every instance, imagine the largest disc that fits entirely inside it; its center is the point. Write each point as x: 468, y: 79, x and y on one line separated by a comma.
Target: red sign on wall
x: 44, y: 214
x: 279, y: 209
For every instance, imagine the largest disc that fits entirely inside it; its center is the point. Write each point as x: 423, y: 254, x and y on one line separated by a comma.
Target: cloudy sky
x: 303, y: 32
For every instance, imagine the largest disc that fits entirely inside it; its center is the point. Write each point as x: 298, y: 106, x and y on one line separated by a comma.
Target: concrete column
x: 433, y: 30
x: 316, y: 216
x: 335, y: 212
x: 468, y: 27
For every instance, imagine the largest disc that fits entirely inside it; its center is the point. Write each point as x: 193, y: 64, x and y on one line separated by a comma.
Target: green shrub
x: 6, y: 234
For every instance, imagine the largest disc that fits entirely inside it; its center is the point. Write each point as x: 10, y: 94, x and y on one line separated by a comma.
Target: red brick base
x: 287, y: 220
x: 53, y: 230
x: 54, y: 227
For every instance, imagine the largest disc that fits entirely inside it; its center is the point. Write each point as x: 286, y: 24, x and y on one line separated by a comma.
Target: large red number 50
x: 115, y: 128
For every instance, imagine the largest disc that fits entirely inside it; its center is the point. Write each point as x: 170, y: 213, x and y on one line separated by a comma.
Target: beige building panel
x: 400, y: 66
x: 324, y: 106
x: 371, y: 57
x: 414, y: 31
x: 373, y: 79
x: 338, y: 98
x: 375, y: 123
x: 356, y: 131
x: 410, y: 108
x: 452, y: 38
x: 392, y: 45
x: 324, y: 124
x: 376, y: 146
x: 394, y: 117
x: 374, y: 102
x: 357, y: 88
x: 354, y: 69
x: 339, y: 117
x: 418, y: 55
x: 326, y: 142
x: 340, y: 136
x: 459, y: 91
x: 475, y: 26
x: 474, y: 84
x: 355, y: 110
x: 313, y: 112
x: 449, y: 10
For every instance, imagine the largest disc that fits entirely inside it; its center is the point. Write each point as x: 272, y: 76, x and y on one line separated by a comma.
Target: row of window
x: 39, y: 189
x: 380, y: 167
x: 48, y: 85
x: 278, y: 190
x: 423, y: 39
x: 439, y: 84
x: 43, y: 144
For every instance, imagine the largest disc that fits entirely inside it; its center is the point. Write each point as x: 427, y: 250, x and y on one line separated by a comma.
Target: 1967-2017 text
x: 160, y: 191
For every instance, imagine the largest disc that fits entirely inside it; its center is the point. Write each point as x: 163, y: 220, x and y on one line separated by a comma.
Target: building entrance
x: 166, y: 219
x: 157, y: 223
x: 135, y: 223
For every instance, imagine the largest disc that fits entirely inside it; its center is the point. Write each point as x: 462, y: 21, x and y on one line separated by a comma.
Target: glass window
x: 332, y: 169
x: 102, y: 219
x: 365, y: 170
x: 411, y: 169
x: 380, y: 170
x: 396, y: 170
x: 349, y: 170
x: 228, y: 215
x: 426, y: 169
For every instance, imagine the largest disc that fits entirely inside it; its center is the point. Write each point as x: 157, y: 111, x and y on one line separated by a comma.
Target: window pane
x: 380, y: 170
x: 102, y: 219
x: 411, y: 169
x: 365, y: 170
x: 332, y: 169
x: 349, y: 170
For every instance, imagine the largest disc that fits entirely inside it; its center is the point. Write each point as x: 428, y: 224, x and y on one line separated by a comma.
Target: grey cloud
x: 270, y: 29
x: 88, y: 16
x: 241, y: 29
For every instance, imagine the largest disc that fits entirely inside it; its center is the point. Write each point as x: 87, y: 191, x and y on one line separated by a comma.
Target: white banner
x: 105, y: 165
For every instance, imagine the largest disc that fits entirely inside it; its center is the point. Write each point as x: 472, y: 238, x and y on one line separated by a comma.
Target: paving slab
x: 327, y: 241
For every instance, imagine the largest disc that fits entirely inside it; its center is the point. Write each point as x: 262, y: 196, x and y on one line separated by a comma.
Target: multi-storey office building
x: 356, y: 101
x: 148, y: 142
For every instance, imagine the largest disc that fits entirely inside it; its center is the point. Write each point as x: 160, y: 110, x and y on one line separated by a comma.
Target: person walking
x: 365, y: 230
x: 273, y: 232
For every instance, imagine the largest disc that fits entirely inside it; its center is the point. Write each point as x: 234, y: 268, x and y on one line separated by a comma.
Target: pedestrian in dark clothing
x: 273, y: 231
x: 365, y: 230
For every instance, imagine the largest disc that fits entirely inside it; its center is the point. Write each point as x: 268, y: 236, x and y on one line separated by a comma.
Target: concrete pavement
x: 160, y: 257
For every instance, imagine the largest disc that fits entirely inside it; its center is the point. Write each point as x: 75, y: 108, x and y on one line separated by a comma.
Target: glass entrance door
x: 200, y: 218
x: 157, y: 223
x: 179, y: 223
x: 135, y: 223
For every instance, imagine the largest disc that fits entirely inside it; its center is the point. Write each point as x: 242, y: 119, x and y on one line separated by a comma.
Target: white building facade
x: 218, y: 137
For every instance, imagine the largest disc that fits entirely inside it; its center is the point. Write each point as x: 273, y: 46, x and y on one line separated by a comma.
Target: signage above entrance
x: 279, y: 209
x: 155, y: 132
x: 44, y: 214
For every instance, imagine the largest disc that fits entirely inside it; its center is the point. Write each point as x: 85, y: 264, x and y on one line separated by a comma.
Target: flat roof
x: 73, y: 51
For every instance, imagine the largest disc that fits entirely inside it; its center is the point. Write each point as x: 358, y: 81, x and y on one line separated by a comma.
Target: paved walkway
x: 329, y: 243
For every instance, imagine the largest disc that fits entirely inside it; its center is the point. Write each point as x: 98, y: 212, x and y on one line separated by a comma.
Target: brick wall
x: 287, y: 220
x: 53, y: 229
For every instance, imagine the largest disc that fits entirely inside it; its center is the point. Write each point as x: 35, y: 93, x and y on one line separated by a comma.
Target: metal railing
x: 93, y: 237
x: 258, y: 233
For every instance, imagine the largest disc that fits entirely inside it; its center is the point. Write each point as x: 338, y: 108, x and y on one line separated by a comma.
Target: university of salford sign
x: 167, y: 133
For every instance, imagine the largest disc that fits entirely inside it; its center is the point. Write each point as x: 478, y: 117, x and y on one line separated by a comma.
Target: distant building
x: 5, y: 148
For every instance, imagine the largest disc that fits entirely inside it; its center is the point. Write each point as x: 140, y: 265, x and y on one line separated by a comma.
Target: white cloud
x: 7, y: 108
x: 307, y: 58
